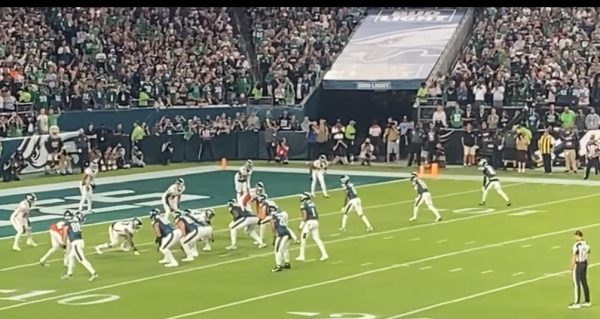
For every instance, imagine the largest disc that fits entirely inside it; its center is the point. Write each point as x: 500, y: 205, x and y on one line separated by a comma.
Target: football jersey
x: 420, y: 186
x: 188, y: 223
x: 310, y: 209
x: 164, y: 227
x: 489, y: 174
x: 89, y: 175
x: 58, y: 227
x: 243, y: 174
x: 123, y: 227
x: 74, y: 231
x: 280, y: 219
x: 320, y: 165
x: 22, y: 209
x: 175, y: 190
x: 350, y: 190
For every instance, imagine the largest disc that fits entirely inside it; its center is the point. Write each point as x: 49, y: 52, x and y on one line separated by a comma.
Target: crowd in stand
x: 525, y: 56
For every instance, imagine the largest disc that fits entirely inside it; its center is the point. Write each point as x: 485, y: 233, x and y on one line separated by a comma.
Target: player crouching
x: 124, y: 229
x: 203, y: 218
x: 242, y: 218
x: 192, y: 230
x: 281, y: 239
x: 166, y: 237
x: 57, y: 235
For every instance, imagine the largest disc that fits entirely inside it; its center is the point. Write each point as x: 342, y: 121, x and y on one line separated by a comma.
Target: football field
x: 491, y: 262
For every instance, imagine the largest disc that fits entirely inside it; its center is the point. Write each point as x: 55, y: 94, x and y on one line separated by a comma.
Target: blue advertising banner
x: 394, y: 50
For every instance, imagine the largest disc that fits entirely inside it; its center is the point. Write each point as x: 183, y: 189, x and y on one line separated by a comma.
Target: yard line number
x: 81, y: 300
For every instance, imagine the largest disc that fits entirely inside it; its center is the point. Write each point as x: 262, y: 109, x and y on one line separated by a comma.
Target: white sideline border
x: 231, y: 261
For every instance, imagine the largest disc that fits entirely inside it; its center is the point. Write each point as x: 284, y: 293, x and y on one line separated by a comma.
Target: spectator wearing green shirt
x: 350, y: 136
x: 456, y: 120
x: 53, y: 117
x: 567, y: 117
x: 24, y: 96
x: 137, y: 134
x: 422, y: 93
x: 143, y: 98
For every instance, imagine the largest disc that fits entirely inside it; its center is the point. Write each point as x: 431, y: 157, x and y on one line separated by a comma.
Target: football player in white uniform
x: 251, y: 195
x: 87, y: 185
x: 423, y: 196
x: 57, y: 235
x: 242, y: 219
x: 124, y: 229
x: 490, y: 180
x: 242, y: 180
x: 317, y: 171
x: 172, y: 197
x: 166, y: 237
x: 20, y: 221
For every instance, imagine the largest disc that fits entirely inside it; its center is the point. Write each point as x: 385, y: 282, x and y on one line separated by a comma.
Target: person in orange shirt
x: 57, y: 235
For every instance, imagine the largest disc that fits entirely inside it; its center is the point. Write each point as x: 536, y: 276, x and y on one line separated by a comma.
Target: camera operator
x: 366, y: 152
x: 166, y: 150
x: 120, y: 157
x: 14, y: 165
x: 110, y: 160
x: 82, y: 144
x: 340, y: 152
x: 137, y: 157
x: 282, y: 152
x: 65, y: 162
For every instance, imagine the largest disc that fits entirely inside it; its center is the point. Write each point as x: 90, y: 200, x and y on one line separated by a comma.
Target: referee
x: 579, y: 265
x: 592, y: 152
x: 545, y: 145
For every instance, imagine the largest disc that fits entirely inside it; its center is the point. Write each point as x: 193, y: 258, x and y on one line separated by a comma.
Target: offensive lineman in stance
x: 317, y: 169
x: 20, y: 221
x: 423, y: 196
x: 87, y: 185
x: 57, y: 235
x: 310, y: 226
x: 352, y: 202
x: 166, y: 237
x: 172, y: 197
x: 242, y: 218
x: 124, y: 229
x: 490, y: 180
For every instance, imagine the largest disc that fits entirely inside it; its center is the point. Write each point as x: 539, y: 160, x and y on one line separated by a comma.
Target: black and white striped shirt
x: 581, y: 250
x: 592, y: 149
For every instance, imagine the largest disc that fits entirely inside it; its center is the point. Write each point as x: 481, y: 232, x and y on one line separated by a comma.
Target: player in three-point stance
x: 310, y: 226
x: 76, y: 251
x: 490, y: 180
x: 281, y: 238
x: 20, y: 221
x: 265, y: 208
x: 57, y: 235
x: 352, y: 202
x: 117, y: 231
x: 242, y: 218
x: 172, y: 197
x: 166, y: 237
x: 241, y: 181
x: 423, y: 196
x: 203, y: 218
x: 87, y: 186
x: 317, y: 169
x: 251, y: 195
x: 191, y: 232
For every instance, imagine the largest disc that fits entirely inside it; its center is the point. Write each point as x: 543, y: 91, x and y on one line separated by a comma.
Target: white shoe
x: 65, y: 276
x: 231, y: 247
x: 263, y: 245
x: 574, y: 306
x: 326, y: 196
x: 31, y: 243
x: 195, y: 254
x: 300, y: 258
x: 16, y: 248
x: 587, y: 304
x: 369, y: 229
x: 93, y: 277
x: 170, y: 265
x: 163, y: 261
x: 98, y: 251
x: 439, y: 219
x: 137, y: 253
x: 255, y: 243
x: 186, y: 259
x: 124, y: 249
x: 206, y: 248
x: 412, y: 219
x: 342, y: 229
x: 323, y: 258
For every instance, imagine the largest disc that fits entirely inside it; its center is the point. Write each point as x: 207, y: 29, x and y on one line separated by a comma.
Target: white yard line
x: 455, y: 269
x: 226, y: 262
x: 483, y: 293
x: 337, y: 262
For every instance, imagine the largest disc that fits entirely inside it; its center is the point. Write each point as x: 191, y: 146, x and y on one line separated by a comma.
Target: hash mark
x: 518, y: 273
x: 386, y: 238
x: 337, y: 262
x: 470, y: 242
x: 555, y: 247
x: 334, y: 234
x: 425, y: 268
x: 415, y: 239
x: 487, y: 272
x: 224, y: 255
x: 526, y: 245
x: 441, y: 241
x: 455, y: 269
x: 366, y: 264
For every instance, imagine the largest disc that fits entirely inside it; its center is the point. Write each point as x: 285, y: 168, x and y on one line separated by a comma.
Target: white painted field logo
x: 105, y: 202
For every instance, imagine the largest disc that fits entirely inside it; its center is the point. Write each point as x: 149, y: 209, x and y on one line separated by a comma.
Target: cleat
x: 31, y: 243
x: 288, y: 266
x: 163, y: 261
x: 263, y: 245
x: 369, y: 229
x: 326, y: 196
x: 255, y: 243
x: 574, y: 306
x: 186, y: 259
x: 482, y: 203
x: 323, y: 258
x: 15, y: 248
x: 65, y: 277
x: 342, y: 229
x: 206, y: 249
x: 195, y: 254
x: 43, y: 264
x: 439, y: 219
x: 277, y: 269
x: 300, y: 258
x: 587, y: 304
x: 93, y: 277
x: 98, y: 251
x: 170, y: 265
x: 508, y: 204
x: 231, y: 247
x: 412, y: 219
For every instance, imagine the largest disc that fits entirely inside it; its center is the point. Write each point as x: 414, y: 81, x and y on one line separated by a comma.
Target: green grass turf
x: 424, y: 269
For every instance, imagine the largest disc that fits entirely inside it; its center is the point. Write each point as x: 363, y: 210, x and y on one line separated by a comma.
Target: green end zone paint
x: 126, y: 199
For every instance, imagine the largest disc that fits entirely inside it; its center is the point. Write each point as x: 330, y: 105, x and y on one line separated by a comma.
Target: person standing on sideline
x: 468, y: 141
x: 375, y: 137
x: 415, y: 138
x: 579, y: 266
x: 545, y: 145
x: 349, y: 138
x: 323, y: 133
x: 570, y: 146
x: 270, y: 139
x: 404, y: 126
x: 592, y: 152
x: 392, y: 138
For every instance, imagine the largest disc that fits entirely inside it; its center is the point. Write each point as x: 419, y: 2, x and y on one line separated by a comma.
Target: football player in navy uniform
x: 310, y: 226
x: 490, y: 180
x: 75, y: 238
x: 166, y: 237
x: 423, y: 196
x: 279, y: 222
x: 242, y: 219
x: 352, y: 203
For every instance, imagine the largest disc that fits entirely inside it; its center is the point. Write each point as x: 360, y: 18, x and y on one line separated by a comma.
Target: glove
x: 93, y: 186
x: 274, y: 239
x: 157, y: 240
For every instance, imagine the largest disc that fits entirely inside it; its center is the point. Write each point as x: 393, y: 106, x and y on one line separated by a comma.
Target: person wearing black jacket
x: 415, y: 139
x: 431, y: 140
x: 82, y: 144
